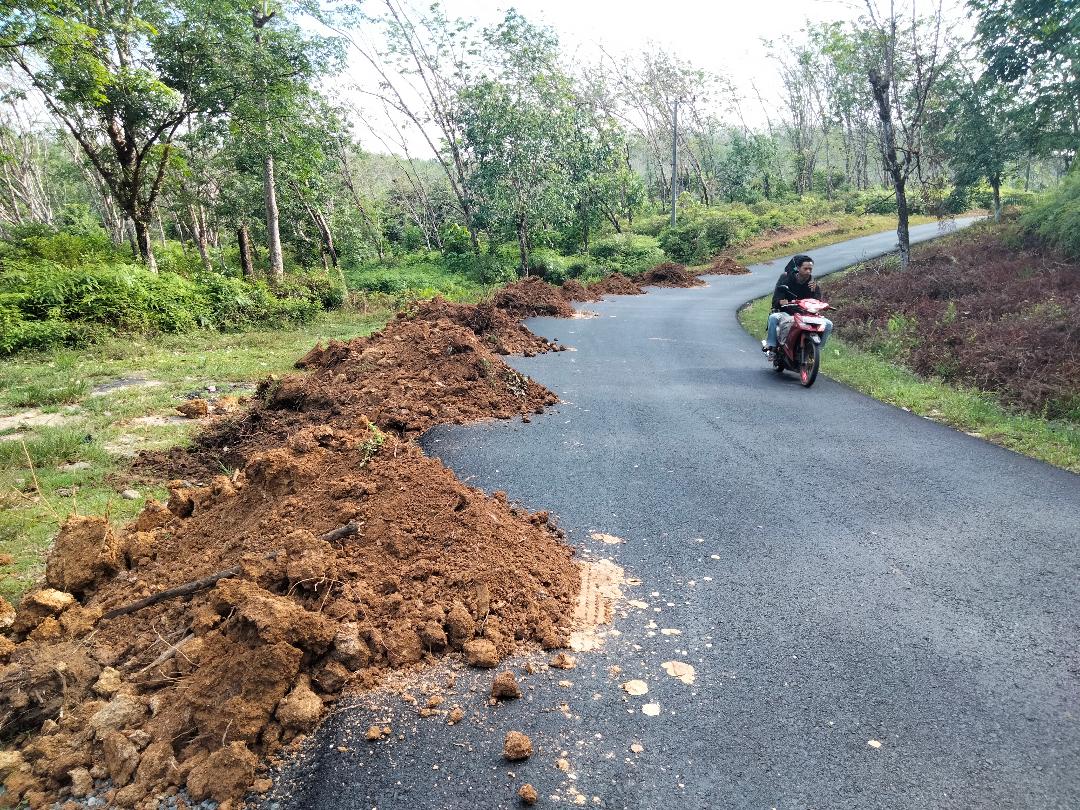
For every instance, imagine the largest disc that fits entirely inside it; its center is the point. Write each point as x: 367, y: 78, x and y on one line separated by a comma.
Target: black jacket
x: 797, y: 290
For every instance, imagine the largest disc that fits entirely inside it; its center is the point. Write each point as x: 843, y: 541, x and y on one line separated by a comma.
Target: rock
x: 563, y: 661
x: 332, y: 677
x: 75, y: 466
x: 505, y: 686
x: 11, y: 761
x: 157, y: 768
x: 262, y: 785
x: 82, y: 784
x: 433, y: 636
x: 7, y: 614
x: 77, y: 621
x: 480, y: 652
x: 123, y: 711
x: 194, y: 408
x: 300, y: 710
x: 7, y: 647
x: 517, y: 746
x: 85, y: 550
x: 351, y: 650
x: 121, y: 758
x: 109, y: 683
x: 460, y: 624
x: 403, y: 646
x: 130, y: 495
x: 456, y: 716
x: 38, y: 606
x: 225, y: 774
x: 527, y: 794
x: 47, y: 631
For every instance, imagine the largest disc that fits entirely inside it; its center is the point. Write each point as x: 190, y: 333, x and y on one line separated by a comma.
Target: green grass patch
x: 974, y: 412
x: 101, y: 430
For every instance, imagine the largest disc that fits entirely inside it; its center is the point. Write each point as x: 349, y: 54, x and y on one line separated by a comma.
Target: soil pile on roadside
x: 531, y: 297
x: 726, y: 266
x: 574, y: 290
x: 502, y: 333
x: 978, y: 312
x: 615, y: 284
x: 669, y: 274
x: 193, y: 691
x: 412, y: 375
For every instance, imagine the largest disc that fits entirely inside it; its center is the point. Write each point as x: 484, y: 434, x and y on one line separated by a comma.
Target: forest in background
x: 173, y: 165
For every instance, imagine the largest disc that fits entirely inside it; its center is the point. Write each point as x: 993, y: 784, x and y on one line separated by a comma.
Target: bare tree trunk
x: 995, y: 184
x: 243, y: 241
x: 523, y: 244
x: 896, y: 170
x: 273, y: 223
x: 142, y: 240
x: 198, y: 230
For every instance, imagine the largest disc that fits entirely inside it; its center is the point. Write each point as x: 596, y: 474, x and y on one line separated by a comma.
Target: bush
x: 549, y: 265
x: 1055, y: 219
x: 629, y: 253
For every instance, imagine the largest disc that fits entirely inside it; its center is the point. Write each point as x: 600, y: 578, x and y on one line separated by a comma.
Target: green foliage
x: 44, y: 303
x: 1056, y: 218
x: 628, y: 253
x: 549, y: 265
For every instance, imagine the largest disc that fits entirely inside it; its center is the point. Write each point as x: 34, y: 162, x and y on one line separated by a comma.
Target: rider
x: 797, y: 281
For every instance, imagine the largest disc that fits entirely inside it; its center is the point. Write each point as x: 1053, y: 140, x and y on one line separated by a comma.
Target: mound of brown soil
x: 573, y: 290
x: 410, y: 376
x: 669, y: 274
x: 726, y: 266
x: 531, y: 297
x: 502, y: 333
x: 615, y: 284
x: 192, y: 690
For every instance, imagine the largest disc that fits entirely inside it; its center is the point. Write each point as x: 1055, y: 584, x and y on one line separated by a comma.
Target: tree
x: 1033, y: 47
x: 904, y: 62
x: 93, y: 66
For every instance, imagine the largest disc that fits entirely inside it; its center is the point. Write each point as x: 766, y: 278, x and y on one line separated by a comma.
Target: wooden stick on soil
x: 210, y: 581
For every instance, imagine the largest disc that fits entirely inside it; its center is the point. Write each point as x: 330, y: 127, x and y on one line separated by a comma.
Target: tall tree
x: 905, y: 59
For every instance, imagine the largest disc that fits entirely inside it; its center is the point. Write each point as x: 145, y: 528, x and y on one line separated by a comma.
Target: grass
x: 101, y: 430
x: 975, y: 412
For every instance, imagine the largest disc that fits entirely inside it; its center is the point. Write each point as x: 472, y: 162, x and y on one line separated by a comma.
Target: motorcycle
x: 799, y: 340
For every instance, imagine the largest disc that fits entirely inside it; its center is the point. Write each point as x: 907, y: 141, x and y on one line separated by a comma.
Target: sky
x: 723, y: 38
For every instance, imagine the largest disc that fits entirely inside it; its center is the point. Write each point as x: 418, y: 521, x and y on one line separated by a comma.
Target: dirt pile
x: 615, y: 284
x: 412, y: 375
x: 726, y: 266
x: 574, y: 290
x: 669, y: 274
x: 502, y: 333
x: 974, y: 311
x: 531, y: 297
x: 193, y: 691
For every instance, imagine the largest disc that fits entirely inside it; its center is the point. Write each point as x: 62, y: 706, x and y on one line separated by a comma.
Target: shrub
x: 627, y: 252
x: 1055, y: 219
x: 549, y: 265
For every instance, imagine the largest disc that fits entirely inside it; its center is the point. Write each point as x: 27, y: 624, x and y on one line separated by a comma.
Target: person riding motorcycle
x: 797, y: 281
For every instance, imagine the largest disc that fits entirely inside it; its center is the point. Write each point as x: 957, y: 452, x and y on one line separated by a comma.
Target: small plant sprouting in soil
x: 371, y: 446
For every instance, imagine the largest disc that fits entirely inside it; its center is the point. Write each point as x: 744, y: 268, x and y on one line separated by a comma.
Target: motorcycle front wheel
x: 809, y: 360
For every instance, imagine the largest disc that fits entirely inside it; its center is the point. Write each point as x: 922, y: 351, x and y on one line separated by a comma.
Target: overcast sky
x: 724, y: 38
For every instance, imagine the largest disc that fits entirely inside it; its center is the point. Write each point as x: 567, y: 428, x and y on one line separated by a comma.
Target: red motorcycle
x: 799, y: 340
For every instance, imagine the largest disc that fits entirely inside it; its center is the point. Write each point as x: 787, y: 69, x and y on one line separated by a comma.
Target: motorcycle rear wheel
x: 809, y: 361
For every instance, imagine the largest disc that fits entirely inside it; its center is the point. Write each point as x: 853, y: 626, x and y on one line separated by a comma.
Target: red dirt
x: 669, y: 274
x: 615, y: 284
x: 977, y: 312
x: 435, y: 564
x: 531, y: 297
x: 726, y: 266
x: 410, y: 376
x: 502, y: 333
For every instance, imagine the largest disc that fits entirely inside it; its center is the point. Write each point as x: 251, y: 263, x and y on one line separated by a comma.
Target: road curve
x: 841, y: 572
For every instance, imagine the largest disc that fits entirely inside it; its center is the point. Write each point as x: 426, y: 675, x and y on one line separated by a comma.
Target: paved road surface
x: 882, y: 578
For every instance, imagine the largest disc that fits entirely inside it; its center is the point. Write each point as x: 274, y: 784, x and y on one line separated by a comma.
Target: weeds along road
x: 841, y: 571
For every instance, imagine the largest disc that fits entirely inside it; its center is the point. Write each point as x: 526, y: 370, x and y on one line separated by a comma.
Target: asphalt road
x: 841, y: 571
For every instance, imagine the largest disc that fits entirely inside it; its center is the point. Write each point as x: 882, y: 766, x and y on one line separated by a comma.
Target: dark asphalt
x: 841, y: 571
